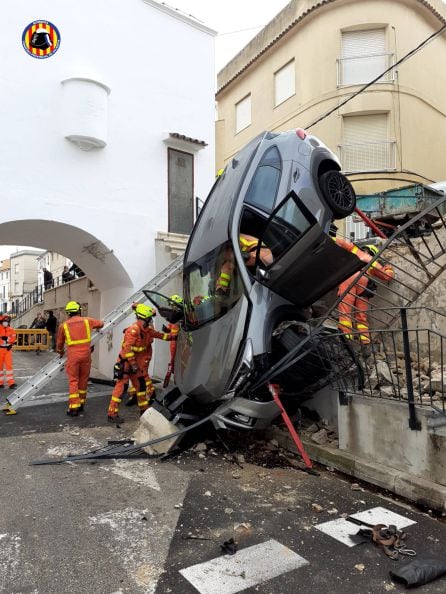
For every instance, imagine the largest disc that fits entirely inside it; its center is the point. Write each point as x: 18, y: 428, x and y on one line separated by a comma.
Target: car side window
x: 264, y: 185
x: 287, y: 225
x: 212, y: 286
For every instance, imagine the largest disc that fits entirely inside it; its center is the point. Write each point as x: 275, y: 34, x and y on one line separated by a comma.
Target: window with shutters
x: 284, y: 83
x: 243, y: 114
x: 365, y: 143
x: 180, y: 191
x: 364, y: 57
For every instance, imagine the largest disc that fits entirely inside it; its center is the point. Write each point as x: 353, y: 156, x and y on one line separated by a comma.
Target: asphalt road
x: 142, y: 526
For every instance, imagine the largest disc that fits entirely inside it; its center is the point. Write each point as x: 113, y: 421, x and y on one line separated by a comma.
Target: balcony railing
x: 368, y: 156
x: 363, y: 69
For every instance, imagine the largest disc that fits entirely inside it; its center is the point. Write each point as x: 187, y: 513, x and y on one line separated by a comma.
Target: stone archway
x: 96, y: 259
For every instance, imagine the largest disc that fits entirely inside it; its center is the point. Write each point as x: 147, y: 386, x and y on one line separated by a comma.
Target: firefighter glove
x: 118, y: 370
x: 9, y: 347
x: 4, y: 338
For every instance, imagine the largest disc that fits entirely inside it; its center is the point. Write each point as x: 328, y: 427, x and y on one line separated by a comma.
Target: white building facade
x: 5, y: 271
x: 110, y: 139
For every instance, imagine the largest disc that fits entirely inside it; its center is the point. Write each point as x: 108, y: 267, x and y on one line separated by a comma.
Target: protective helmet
x: 372, y: 249
x: 41, y: 39
x: 144, y: 312
x: 176, y: 299
x: 72, y: 307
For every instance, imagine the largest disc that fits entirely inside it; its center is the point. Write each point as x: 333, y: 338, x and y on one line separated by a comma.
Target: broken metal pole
x: 414, y: 423
x: 274, y: 390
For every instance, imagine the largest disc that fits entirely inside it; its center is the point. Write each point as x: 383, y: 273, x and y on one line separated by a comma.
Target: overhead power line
x: 366, y: 86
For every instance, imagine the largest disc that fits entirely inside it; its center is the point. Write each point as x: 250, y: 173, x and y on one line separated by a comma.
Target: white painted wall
x: 23, y: 274
x: 5, y: 271
x: 151, y: 72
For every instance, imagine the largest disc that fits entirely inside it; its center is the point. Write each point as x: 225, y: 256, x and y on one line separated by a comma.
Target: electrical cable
x: 369, y: 84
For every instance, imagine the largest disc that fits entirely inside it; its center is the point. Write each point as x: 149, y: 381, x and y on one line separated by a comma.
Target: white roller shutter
x: 366, y: 145
x: 363, y: 56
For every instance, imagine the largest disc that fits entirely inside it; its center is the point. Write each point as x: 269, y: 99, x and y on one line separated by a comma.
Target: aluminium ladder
x: 42, y: 377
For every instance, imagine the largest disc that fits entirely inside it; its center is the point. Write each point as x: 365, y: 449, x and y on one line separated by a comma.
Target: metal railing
x: 362, y: 69
x: 34, y: 297
x: 32, y: 340
x: 368, y: 156
x: 417, y: 253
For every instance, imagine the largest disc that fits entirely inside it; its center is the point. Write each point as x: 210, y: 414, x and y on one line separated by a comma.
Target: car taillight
x: 301, y: 133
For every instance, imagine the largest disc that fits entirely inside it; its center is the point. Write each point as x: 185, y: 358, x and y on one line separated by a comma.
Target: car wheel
x: 338, y: 193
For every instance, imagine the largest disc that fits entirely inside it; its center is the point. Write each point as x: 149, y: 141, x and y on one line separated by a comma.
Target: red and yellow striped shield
x: 41, y: 39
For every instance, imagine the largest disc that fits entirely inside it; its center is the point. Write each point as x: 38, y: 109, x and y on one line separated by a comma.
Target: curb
x: 420, y: 491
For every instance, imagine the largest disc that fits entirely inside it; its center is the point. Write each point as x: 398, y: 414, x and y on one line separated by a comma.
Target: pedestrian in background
x: 7, y: 340
x: 66, y: 275
x: 47, y: 279
x: 51, y: 326
x: 75, y: 335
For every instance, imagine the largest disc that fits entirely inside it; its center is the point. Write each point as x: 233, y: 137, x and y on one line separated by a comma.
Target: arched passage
x: 96, y: 259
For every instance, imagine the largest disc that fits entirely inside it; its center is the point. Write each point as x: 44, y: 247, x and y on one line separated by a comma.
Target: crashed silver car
x: 283, y: 190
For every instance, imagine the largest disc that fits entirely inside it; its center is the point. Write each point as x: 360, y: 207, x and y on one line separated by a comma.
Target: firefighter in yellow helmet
x: 75, y: 335
x: 132, y: 364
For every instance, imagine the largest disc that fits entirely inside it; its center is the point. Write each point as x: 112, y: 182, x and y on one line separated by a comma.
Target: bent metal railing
x: 417, y: 253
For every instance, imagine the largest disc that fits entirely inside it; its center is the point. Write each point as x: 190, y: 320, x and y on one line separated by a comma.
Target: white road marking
x: 137, y: 471
x: 12, y: 566
x: 341, y: 529
x: 249, y: 567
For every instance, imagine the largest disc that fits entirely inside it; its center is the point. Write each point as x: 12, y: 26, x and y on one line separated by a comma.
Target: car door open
x: 306, y: 262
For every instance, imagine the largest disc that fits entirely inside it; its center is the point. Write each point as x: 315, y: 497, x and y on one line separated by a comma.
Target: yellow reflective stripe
x: 362, y: 327
x: 346, y: 323
x: 72, y: 396
x: 355, y: 249
x: 246, y: 244
x: 116, y: 399
x: 140, y: 393
x: 349, y: 336
x: 129, y: 355
x: 224, y: 283
x: 82, y: 391
x: 364, y: 338
x: 165, y: 337
x: 138, y: 349
x: 143, y: 402
x: 82, y: 340
x: 74, y: 405
x: 226, y: 276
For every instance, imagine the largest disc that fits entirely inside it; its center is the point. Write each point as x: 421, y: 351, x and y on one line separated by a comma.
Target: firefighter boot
x: 74, y: 404
x: 83, y: 399
x: 113, y: 410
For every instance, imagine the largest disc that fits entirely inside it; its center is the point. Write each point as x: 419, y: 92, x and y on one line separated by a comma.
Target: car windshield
x: 212, y: 286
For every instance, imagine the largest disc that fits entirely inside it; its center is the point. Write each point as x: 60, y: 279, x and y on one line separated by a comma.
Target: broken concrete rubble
x: 153, y: 424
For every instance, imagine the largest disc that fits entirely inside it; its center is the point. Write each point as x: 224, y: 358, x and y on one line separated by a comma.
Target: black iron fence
x: 34, y: 297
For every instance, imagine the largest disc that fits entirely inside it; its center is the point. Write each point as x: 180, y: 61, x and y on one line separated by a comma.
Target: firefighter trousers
x: 121, y: 386
x: 6, y: 367
x: 77, y: 369
x: 353, y: 309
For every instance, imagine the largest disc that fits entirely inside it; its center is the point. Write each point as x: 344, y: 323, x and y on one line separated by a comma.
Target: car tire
x: 338, y: 193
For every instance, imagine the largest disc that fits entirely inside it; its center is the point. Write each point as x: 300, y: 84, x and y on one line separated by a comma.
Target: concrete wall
x: 378, y: 430
x: 121, y: 81
x: 310, y: 32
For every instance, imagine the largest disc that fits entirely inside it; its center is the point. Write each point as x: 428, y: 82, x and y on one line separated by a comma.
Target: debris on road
x: 229, y: 547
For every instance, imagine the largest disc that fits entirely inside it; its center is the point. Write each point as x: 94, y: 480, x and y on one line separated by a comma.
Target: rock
x: 332, y: 511
x: 274, y: 443
x: 236, y: 475
x: 207, y: 494
x: 200, y: 447
x: 240, y: 458
x: 385, y: 373
x: 438, y: 380
x: 355, y: 487
x: 153, y: 424
x: 389, y: 391
x: 320, y: 437
x: 317, y: 508
x: 228, y: 510
x: 312, y: 428
x: 360, y: 567
x: 201, y: 455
